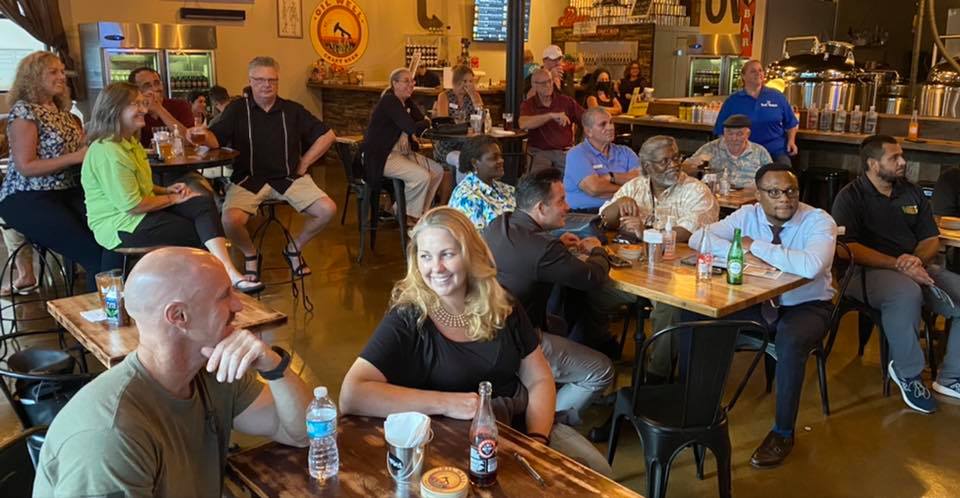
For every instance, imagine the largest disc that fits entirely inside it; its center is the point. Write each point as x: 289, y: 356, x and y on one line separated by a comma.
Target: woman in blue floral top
x: 481, y: 195
x: 41, y: 195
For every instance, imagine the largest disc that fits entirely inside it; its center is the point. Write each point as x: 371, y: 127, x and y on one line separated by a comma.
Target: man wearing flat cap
x: 733, y: 151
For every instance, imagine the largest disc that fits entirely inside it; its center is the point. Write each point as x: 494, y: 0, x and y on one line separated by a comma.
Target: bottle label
x: 111, y: 304
x: 317, y: 429
x: 734, y: 267
x: 483, y: 457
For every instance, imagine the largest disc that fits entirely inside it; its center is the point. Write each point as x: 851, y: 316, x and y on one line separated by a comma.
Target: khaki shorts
x: 301, y: 194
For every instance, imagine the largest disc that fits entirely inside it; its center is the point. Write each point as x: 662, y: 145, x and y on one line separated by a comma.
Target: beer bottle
x: 735, y: 260
x: 483, y: 442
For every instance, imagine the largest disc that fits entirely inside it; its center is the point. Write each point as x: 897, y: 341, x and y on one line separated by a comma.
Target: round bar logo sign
x: 338, y: 29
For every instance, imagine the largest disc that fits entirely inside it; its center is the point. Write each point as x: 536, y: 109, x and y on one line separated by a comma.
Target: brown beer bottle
x: 483, y: 442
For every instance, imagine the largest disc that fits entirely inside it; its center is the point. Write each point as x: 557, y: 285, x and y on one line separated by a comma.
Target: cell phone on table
x: 618, y: 262
x: 691, y: 260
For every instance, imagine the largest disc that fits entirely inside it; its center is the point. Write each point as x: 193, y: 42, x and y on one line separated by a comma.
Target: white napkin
x: 407, y: 429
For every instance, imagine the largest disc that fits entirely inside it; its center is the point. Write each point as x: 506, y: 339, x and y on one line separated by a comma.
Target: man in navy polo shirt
x: 597, y: 167
x: 774, y: 125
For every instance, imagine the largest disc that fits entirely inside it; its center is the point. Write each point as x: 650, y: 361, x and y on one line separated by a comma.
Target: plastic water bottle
x: 826, y: 119
x: 725, y: 182
x: 870, y: 124
x: 324, y: 457
x: 856, y: 120
x: 813, y: 117
x: 839, y: 124
x: 177, y: 148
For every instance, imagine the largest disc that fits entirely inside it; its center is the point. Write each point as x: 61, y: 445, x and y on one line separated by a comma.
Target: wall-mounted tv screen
x: 490, y: 21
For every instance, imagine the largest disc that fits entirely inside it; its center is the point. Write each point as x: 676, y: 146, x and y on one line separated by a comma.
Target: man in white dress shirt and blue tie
x: 795, y: 238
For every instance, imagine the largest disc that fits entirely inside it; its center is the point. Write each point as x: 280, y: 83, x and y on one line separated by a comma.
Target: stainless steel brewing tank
x: 940, y: 95
x: 826, y: 77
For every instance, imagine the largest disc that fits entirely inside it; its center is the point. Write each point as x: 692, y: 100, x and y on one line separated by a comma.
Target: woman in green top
x: 124, y: 207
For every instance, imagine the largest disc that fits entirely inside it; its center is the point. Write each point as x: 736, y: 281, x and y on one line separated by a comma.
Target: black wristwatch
x: 613, y: 179
x: 281, y: 367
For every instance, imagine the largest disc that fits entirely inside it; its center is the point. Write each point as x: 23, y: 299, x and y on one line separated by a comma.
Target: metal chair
x: 55, y: 280
x: 38, y: 382
x: 867, y: 319
x: 18, y: 459
x: 671, y: 417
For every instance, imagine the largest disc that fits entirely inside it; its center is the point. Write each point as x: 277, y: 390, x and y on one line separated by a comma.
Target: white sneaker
x: 951, y: 389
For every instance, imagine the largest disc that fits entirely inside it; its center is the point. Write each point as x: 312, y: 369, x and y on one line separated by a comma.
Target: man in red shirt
x: 549, y: 118
x: 163, y: 111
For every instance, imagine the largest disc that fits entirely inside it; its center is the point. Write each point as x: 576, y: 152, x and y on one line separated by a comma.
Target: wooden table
x: 737, y: 198
x: 676, y: 284
x: 111, y: 344
x: 192, y: 159
x: 275, y: 470
x: 949, y: 237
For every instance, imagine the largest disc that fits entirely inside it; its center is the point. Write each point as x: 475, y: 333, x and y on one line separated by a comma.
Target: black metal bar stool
x: 298, y: 289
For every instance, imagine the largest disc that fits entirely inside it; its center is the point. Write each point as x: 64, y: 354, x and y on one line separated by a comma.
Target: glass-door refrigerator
x: 189, y: 70
x: 733, y: 81
x: 705, y: 75
x: 119, y: 62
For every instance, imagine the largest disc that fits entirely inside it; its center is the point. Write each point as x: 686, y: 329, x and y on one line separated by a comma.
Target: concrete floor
x: 870, y: 446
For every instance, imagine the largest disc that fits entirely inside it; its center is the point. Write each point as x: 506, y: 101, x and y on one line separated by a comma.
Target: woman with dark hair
x: 389, y: 151
x: 198, y: 105
x: 600, y: 93
x: 451, y: 326
x: 481, y: 195
x: 631, y: 79
x: 125, y: 208
x: 41, y: 195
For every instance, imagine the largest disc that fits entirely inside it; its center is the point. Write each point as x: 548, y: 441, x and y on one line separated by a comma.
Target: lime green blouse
x: 116, y: 176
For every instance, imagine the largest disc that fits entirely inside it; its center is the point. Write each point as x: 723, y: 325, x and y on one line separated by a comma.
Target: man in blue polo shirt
x: 597, y: 167
x: 774, y: 125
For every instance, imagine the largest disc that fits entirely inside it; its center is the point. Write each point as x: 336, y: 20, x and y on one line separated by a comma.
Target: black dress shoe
x: 772, y: 451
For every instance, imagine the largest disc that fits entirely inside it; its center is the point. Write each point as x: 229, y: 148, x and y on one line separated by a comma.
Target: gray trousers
x: 543, y: 159
x: 899, y: 300
x: 584, y: 373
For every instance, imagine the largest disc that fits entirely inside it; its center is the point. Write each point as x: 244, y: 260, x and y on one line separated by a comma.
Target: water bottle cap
x: 319, y: 392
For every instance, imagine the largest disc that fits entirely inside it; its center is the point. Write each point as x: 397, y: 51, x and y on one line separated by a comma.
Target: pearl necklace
x: 447, y: 319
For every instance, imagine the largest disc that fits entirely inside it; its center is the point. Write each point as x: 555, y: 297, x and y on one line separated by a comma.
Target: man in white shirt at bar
x: 795, y: 238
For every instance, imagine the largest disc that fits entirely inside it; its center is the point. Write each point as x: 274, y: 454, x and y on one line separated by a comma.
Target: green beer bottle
x: 735, y: 260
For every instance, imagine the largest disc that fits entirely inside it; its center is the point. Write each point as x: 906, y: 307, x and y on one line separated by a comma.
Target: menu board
x: 490, y: 20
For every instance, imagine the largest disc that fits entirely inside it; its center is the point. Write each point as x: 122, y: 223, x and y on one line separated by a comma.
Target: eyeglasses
x: 541, y: 83
x: 261, y: 81
x: 141, y: 103
x: 775, y: 193
x: 669, y: 161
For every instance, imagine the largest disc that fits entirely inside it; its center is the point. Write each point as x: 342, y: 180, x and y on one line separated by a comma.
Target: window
x: 15, y: 44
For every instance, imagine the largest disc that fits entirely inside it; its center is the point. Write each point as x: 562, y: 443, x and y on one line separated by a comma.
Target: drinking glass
x: 508, y: 121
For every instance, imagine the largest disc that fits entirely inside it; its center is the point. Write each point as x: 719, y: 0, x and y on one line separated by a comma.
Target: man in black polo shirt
x: 278, y: 140
x: 890, y: 229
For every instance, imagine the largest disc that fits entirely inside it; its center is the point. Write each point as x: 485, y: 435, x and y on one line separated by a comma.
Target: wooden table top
x: 676, y: 284
x: 275, y: 470
x: 111, y: 344
x: 950, y: 237
x: 737, y: 198
x: 192, y: 159
x: 517, y: 133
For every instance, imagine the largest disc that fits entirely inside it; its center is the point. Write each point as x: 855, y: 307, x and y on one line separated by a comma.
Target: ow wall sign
x: 720, y: 17
x: 338, y: 29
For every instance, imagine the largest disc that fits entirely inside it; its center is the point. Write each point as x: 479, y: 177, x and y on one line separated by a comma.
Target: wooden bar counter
x: 347, y: 108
